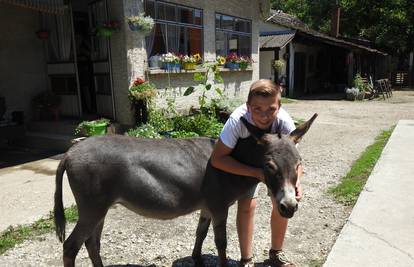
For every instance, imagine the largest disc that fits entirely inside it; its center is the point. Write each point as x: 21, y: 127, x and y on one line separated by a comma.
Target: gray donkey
x: 168, y: 178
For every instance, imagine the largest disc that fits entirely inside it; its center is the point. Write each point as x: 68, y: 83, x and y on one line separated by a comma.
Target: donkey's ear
x: 258, y: 134
x: 300, y: 131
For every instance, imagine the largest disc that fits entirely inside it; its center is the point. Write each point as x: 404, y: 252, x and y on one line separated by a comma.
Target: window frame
x: 233, y: 31
x: 177, y: 23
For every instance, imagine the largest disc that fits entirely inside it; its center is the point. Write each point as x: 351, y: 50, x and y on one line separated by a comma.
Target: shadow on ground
x: 13, y: 155
x: 208, y: 261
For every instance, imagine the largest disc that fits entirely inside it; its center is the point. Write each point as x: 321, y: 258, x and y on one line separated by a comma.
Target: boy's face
x: 264, y: 110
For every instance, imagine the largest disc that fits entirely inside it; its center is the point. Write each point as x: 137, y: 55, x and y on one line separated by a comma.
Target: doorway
x: 84, y: 63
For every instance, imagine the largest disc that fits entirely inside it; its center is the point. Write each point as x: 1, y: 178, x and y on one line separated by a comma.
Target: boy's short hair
x: 264, y: 88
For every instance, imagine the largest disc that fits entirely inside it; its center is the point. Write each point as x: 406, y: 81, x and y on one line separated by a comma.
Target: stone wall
x: 129, y: 56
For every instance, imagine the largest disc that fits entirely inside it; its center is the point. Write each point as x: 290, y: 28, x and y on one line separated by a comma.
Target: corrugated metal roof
x: 275, y: 39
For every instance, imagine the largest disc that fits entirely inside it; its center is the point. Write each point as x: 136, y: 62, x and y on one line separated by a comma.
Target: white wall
x: 22, y: 61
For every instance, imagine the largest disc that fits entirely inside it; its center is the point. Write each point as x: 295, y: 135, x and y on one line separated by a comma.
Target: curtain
x: 173, y: 35
x: 60, y: 40
x: 149, y: 41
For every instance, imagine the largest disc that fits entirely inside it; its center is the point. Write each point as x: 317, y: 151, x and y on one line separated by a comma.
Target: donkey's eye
x: 270, y: 165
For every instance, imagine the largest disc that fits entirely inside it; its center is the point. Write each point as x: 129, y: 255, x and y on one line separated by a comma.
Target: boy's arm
x: 221, y: 159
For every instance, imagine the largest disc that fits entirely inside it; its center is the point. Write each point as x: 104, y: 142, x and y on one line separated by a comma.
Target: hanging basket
x: 138, y: 28
x: 104, y: 32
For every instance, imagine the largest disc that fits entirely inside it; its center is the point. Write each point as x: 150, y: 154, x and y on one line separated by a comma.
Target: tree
x: 388, y: 24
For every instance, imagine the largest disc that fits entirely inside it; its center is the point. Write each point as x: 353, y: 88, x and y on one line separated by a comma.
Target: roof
x: 292, y: 22
x: 276, y: 39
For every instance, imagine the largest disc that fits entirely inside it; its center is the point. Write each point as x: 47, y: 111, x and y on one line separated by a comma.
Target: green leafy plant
x: 204, y: 84
x: 202, y: 124
x: 360, y: 84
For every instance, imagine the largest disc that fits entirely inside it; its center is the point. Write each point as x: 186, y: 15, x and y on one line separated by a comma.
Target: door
x: 300, y: 73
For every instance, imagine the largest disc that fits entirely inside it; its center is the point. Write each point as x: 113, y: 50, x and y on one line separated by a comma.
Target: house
x: 49, y: 44
x: 314, y: 62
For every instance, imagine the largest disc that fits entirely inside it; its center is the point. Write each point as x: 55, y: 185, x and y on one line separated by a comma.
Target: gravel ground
x: 340, y: 133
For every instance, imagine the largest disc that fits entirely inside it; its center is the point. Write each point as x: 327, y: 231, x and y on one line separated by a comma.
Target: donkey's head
x: 280, y: 164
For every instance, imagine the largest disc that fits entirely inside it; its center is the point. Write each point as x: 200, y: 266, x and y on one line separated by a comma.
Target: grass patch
x: 285, y: 100
x: 315, y: 263
x: 298, y: 121
x: 16, y: 235
x: 351, y: 185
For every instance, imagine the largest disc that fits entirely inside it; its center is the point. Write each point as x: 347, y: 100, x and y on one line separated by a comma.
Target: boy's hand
x: 298, y: 186
x: 298, y: 189
x: 259, y: 174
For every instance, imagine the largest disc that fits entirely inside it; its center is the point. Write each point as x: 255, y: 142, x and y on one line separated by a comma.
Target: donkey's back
x: 159, y: 179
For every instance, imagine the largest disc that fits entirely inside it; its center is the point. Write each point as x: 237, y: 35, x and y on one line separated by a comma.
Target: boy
x: 262, y: 110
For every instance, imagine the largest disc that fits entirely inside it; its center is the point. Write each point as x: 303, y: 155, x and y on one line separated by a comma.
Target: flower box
x: 232, y: 66
x: 172, y: 67
x: 190, y: 66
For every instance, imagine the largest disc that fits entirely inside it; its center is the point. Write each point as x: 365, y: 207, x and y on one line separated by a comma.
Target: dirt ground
x: 339, y: 135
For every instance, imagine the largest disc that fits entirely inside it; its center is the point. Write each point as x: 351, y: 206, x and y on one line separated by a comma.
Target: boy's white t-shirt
x: 234, y: 128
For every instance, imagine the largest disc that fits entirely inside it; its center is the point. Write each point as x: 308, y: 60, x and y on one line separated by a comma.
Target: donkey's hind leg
x: 93, y: 245
x: 202, y: 229
x: 83, y: 230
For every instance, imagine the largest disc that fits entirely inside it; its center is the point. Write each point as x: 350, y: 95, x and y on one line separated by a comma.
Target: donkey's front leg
x: 202, y: 229
x: 220, y: 235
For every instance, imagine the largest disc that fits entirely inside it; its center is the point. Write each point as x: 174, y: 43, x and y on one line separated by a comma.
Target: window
x: 178, y: 29
x: 233, y: 35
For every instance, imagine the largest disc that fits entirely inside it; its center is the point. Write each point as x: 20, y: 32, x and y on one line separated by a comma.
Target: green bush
x: 201, y: 124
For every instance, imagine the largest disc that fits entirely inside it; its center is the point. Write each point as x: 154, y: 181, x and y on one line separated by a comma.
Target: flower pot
x: 42, y: 35
x: 243, y: 65
x: 141, y: 112
x: 172, y: 67
x: 190, y: 66
x: 155, y: 62
x: 232, y: 66
x: 96, y: 129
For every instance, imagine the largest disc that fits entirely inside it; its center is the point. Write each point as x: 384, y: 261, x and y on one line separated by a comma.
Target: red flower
x: 139, y: 81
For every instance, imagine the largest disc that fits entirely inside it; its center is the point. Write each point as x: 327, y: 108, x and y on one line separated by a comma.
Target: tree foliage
x: 388, y: 24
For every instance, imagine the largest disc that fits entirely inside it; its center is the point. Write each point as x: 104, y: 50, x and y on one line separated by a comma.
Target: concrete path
x: 380, y: 230
x: 26, y: 192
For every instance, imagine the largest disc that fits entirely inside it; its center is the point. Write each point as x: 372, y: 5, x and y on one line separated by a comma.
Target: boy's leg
x: 245, y: 226
x: 278, y: 226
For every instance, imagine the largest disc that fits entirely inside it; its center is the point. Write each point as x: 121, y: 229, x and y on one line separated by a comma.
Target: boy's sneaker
x: 246, y: 262
x: 278, y: 258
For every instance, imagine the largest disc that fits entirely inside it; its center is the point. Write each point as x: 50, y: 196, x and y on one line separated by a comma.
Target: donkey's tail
x: 58, y: 210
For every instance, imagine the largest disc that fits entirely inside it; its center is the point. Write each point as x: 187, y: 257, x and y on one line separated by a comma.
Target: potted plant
x: 42, y: 34
x: 171, y: 62
x: 107, y: 29
x: 232, y: 61
x: 190, y: 62
x: 140, y: 23
x: 46, y: 105
x: 361, y: 86
x: 221, y: 60
x: 140, y: 94
x: 244, y: 62
x: 91, y: 128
